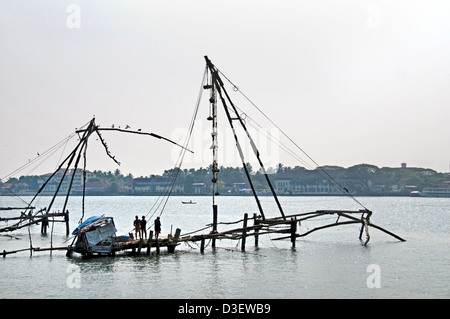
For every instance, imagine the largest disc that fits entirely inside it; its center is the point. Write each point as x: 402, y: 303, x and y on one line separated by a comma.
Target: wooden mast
x: 214, y: 146
x: 218, y: 85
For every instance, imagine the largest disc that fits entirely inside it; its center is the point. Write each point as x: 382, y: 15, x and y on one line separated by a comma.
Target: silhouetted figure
x: 137, y: 227
x: 157, y: 227
x: 143, y: 228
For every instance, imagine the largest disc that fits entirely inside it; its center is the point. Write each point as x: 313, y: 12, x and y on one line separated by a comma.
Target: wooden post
x: 255, y: 223
x: 141, y: 241
x: 149, y: 243
x: 31, y: 243
x: 293, y: 231
x: 69, y: 252
x: 177, y: 234
x: 366, y: 226
x: 171, y: 247
x: 214, y: 230
x: 202, y: 245
x: 244, y: 232
x: 66, y: 219
x: 157, y: 246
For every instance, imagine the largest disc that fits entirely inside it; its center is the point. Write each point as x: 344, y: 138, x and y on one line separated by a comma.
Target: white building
x: 53, y: 183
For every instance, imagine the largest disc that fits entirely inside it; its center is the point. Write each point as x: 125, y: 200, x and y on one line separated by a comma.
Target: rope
x: 326, y: 174
x: 163, y: 198
x: 196, y: 231
x: 53, y: 149
x: 40, y: 159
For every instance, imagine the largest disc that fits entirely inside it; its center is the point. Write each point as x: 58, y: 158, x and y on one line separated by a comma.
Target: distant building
x: 53, y: 183
x: 307, y: 182
x: 152, y: 185
x: 18, y: 189
x: 442, y: 191
x: 240, y: 188
x: 436, y: 192
x: 200, y: 188
x: 95, y: 188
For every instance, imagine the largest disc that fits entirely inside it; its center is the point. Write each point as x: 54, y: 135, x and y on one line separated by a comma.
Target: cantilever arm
x: 140, y: 133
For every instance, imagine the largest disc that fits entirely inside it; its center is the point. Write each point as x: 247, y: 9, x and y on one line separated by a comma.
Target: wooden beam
x: 319, y: 228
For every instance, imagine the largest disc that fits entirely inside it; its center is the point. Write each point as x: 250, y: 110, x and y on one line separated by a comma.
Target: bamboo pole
x: 387, y: 232
x: 244, y: 232
x: 319, y: 228
x: 97, y: 129
x: 4, y: 252
x: 31, y: 243
x: 214, y: 227
x: 36, y: 249
x: 375, y: 226
x: 16, y: 208
x: 66, y: 219
x: 24, y: 217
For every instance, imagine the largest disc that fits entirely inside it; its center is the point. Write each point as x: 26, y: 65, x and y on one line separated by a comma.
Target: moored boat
x: 97, y: 234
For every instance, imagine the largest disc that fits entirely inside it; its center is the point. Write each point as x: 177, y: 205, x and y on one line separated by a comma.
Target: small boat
x: 95, y: 235
x: 189, y: 202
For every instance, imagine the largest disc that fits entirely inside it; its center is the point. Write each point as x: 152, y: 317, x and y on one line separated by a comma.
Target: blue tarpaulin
x: 103, y: 231
x: 88, y: 221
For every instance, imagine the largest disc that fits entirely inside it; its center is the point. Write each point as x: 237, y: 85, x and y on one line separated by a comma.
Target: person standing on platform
x: 143, y: 228
x: 157, y: 227
x: 137, y: 227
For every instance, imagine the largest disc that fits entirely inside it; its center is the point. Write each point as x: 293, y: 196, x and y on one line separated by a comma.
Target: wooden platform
x: 136, y: 245
x: 286, y: 226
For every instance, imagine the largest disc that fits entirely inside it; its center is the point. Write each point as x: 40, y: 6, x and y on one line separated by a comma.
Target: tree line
x: 357, y: 179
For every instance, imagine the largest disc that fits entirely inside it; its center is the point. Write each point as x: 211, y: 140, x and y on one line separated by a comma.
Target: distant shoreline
x: 238, y: 195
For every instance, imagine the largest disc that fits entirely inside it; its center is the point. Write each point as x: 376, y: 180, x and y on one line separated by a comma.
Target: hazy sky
x: 349, y: 81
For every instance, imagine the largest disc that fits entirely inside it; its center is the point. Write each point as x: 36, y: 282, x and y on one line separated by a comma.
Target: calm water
x: 327, y: 264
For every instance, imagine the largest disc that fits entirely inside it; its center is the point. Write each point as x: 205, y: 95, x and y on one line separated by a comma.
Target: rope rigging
x: 40, y: 158
x: 164, y: 197
x: 217, y: 85
x: 318, y: 169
